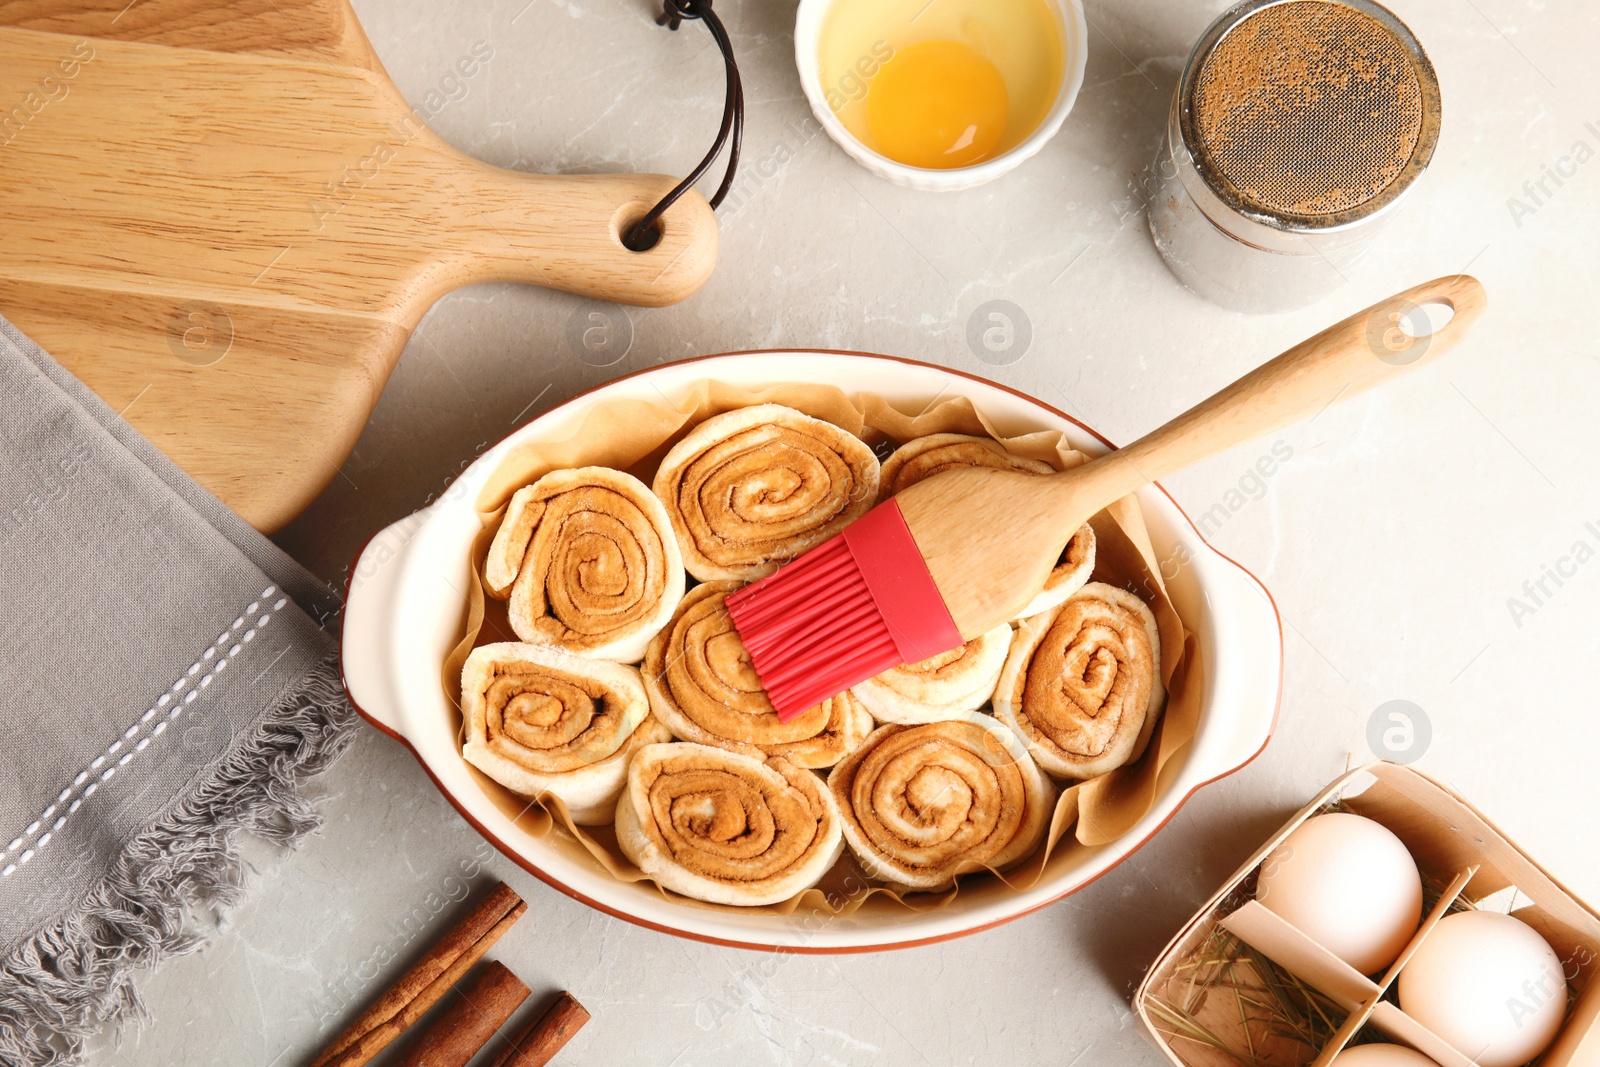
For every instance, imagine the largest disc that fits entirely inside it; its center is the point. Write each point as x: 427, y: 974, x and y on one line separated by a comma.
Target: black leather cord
x: 730, y: 135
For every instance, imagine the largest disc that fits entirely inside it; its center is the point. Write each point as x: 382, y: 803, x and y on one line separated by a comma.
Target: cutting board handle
x: 564, y: 231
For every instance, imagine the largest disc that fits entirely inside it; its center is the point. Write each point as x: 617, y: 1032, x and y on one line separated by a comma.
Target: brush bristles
x: 813, y: 629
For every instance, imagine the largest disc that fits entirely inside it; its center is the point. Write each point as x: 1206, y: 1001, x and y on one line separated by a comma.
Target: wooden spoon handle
x: 1366, y: 349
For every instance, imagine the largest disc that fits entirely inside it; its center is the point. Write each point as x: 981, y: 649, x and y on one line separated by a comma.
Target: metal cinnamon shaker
x: 1296, y: 130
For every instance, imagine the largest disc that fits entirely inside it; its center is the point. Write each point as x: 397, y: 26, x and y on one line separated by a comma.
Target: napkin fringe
x: 69, y: 980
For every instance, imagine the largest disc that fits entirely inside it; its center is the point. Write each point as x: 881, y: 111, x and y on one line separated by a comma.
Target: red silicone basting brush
x: 965, y: 550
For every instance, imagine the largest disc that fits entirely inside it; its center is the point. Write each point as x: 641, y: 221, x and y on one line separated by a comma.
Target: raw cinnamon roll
x: 1082, y: 683
x: 704, y: 688
x: 539, y: 720
x: 922, y: 804
x: 589, y: 562
x: 752, y: 488
x: 946, y: 686
x: 924, y: 457
x: 727, y: 828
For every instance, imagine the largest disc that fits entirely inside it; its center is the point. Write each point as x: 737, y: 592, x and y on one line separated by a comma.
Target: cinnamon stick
x: 470, y: 1019
x: 414, y: 992
x: 379, y: 1038
x: 538, y: 1044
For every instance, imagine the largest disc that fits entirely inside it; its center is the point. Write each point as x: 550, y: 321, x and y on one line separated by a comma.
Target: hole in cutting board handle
x: 648, y: 240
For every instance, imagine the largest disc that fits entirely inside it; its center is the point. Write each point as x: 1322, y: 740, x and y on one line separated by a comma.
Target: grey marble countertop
x: 1395, y: 539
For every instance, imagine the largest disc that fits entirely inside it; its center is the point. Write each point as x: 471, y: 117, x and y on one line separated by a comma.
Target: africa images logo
x: 52, y: 88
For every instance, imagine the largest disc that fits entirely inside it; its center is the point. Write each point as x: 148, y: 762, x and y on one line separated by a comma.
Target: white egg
x: 1381, y: 1056
x: 1349, y: 884
x: 1489, y: 985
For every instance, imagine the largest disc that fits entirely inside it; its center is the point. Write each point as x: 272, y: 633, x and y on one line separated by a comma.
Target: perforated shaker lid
x: 1309, y: 114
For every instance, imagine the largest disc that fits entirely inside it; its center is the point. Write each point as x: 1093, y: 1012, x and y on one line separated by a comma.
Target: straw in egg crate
x: 965, y: 550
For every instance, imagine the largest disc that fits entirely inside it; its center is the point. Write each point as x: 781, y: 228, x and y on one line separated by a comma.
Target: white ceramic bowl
x: 1075, y: 55
x: 404, y: 608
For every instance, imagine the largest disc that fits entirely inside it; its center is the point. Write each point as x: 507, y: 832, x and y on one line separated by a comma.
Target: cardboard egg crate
x: 1455, y: 847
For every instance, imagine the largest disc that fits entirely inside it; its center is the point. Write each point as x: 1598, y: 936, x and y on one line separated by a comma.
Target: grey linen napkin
x: 164, y: 685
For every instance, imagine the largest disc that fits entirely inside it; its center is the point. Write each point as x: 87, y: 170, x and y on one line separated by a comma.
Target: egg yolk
x: 937, y: 104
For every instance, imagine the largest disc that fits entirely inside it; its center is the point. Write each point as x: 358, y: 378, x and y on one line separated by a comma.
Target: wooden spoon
x: 990, y: 537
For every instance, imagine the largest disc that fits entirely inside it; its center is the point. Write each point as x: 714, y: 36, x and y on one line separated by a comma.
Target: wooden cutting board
x: 226, y: 220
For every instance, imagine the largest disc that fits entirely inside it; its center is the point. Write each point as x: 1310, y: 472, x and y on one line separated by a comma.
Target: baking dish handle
x: 1249, y: 674
x: 366, y: 643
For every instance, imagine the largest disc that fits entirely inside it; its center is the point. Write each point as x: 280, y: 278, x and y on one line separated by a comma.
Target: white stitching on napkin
x: 90, y: 777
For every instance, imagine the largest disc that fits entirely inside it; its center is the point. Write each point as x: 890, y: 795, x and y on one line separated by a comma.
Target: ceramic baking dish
x: 404, y: 610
